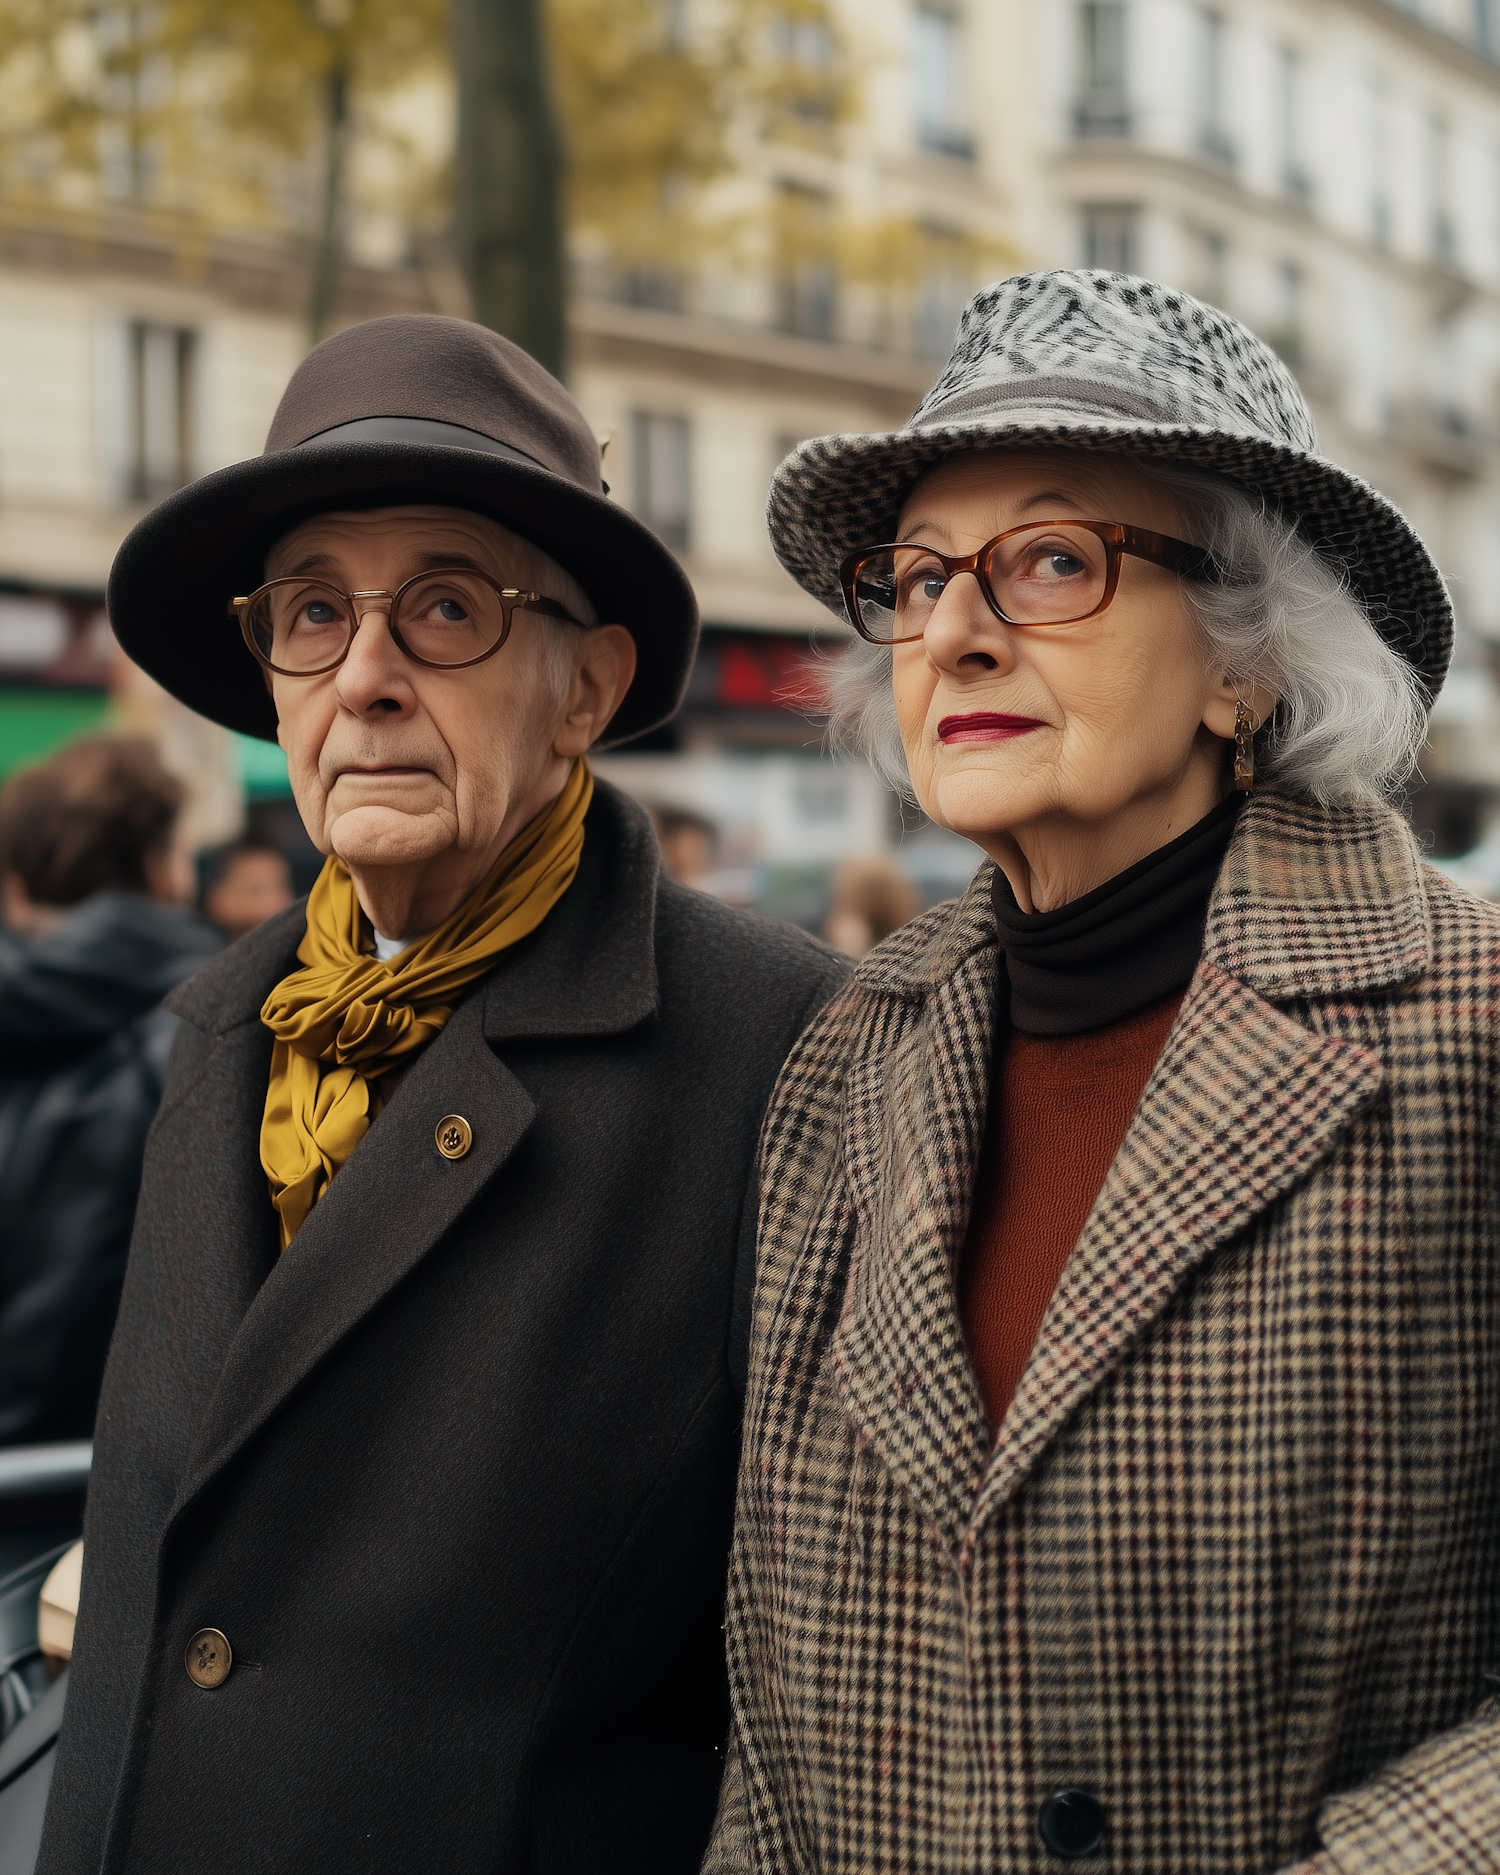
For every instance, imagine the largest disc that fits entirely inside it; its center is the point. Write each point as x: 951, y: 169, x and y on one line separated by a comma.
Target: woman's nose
x: 963, y: 634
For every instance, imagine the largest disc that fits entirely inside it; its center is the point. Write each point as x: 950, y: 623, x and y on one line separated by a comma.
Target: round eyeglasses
x: 1046, y: 573
x: 445, y: 619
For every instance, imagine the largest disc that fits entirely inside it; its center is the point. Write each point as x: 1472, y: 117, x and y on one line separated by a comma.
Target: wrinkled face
x: 392, y: 763
x: 1007, y: 727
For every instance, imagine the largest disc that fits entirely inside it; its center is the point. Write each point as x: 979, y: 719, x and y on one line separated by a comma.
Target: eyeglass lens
x: 1043, y: 576
x: 303, y: 625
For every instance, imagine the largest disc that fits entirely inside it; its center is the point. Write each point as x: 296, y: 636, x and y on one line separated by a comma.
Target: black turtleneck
x: 1121, y: 948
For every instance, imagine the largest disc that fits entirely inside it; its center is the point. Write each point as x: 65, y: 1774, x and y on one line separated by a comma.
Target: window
x: 134, y: 84
x: 1441, y: 233
x: 1111, y: 239
x: 659, y: 461
x: 1103, y: 106
x: 1485, y: 38
x: 33, y: 632
x: 1210, y: 265
x: 940, y: 91
x: 1212, y: 37
x: 658, y: 287
x: 806, y: 280
x: 158, y: 409
x: 676, y: 26
x: 1494, y: 206
x: 808, y: 83
x: 1289, y: 86
x: 807, y: 295
x: 1288, y: 335
x: 947, y: 281
x: 1372, y: 357
x: 1377, y: 138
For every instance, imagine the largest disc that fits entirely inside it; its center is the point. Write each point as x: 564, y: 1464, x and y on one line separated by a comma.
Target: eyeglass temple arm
x: 1180, y: 555
x: 537, y: 602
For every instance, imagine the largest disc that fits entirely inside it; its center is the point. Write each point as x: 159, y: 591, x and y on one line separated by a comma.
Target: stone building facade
x: 1329, y: 172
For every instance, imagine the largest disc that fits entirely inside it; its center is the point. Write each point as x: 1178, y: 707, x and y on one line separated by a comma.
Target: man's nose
x: 374, y: 673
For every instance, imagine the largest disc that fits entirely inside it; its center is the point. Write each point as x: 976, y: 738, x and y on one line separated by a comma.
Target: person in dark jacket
x: 95, y: 938
x: 408, y: 1526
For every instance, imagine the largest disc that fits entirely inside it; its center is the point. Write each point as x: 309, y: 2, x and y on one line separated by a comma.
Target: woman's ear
x: 1218, y: 710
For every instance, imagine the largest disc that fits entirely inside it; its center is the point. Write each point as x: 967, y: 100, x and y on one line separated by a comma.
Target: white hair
x: 1352, y: 716
x: 527, y: 566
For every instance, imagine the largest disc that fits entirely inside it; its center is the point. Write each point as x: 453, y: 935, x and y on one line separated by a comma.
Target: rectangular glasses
x: 1046, y: 573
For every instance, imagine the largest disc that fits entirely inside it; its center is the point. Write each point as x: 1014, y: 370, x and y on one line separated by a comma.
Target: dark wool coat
x: 454, y: 1475
x: 84, y: 1043
x: 1230, y: 1566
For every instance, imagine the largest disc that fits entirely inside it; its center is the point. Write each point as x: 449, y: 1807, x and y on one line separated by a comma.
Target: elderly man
x: 407, y: 1534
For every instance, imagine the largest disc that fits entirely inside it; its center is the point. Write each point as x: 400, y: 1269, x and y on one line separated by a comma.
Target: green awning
x: 35, y: 722
x: 262, y: 769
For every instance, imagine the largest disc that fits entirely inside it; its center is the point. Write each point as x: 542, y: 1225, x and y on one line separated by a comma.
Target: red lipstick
x: 985, y: 726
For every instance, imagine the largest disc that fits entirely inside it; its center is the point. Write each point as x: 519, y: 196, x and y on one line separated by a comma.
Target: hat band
x: 1024, y: 402
x: 426, y: 430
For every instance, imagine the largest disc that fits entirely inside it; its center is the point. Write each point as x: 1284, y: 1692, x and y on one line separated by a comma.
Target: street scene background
x: 731, y: 225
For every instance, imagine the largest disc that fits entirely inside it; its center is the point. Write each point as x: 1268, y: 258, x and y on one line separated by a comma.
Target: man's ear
x: 604, y: 672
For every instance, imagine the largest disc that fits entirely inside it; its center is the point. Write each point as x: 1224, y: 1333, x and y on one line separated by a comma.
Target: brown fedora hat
x: 412, y: 408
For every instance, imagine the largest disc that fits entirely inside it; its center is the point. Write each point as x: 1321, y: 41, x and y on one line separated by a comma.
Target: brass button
x: 209, y: 1658
x: 454, y: 1136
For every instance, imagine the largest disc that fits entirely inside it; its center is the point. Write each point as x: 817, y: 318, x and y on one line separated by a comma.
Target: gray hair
x: 1353, y: 714
x: 528, y: 566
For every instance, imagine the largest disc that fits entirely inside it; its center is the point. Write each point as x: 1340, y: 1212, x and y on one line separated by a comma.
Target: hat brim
x: 178, y: 568
x: 835, y: 494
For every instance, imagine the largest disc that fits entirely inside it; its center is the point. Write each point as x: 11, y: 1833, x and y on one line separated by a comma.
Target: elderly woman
x: 1120, y: 1472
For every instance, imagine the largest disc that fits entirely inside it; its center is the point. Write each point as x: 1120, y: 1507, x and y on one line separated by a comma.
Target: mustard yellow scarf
x: 346, y: 1018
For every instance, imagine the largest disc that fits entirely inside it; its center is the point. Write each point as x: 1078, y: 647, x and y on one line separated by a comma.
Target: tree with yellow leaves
x: 215, y: 113
x: 205, y: 111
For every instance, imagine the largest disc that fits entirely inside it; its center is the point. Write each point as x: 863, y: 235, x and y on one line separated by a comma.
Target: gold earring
x: 1245, y: 725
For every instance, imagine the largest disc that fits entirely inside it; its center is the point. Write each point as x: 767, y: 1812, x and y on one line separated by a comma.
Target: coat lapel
x: 914, y: 1120
x: 388, y: 1206
x: 1244, y: 1100
x: 590, y: 969
x: 208, y: 1219
x: 1243, y: 1103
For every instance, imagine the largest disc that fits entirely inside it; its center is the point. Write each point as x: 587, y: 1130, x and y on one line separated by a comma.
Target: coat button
x: 209, y: 1658
x: 454, y: 1136
x: 1071, y: 1823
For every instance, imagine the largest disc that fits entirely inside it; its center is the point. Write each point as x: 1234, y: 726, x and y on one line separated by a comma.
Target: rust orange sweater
x: 1058, y: 1111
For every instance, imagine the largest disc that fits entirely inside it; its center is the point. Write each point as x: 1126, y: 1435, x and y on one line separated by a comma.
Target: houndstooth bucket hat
x: 1104, y: 361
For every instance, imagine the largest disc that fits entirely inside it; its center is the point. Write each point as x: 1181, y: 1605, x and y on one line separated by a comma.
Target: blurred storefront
x: 746, y: 756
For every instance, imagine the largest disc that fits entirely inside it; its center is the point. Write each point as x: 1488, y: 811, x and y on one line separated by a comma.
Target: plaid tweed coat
x: 1231, y: 1563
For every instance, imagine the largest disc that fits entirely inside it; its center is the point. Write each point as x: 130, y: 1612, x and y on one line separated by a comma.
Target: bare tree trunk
x: 507, y: 221
x: 326, y: 263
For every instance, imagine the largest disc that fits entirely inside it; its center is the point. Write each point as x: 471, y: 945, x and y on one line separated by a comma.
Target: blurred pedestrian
x: 244, y: 884
x: 411, y: 1497
x: 689, y: 844
x: 871, y: 898
x: 96, y: 934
